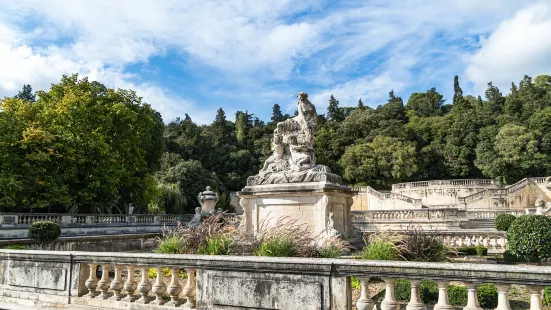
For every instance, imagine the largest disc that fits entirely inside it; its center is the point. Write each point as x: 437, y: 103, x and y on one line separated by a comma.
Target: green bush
x: 487, y: 296
x: 512, y: 257
x: 428, y: 290
x: 167, y: 272
x: 171, y: 245
x: 503, y: 221
x: 277, y: 247
x: 381, y: 250
x: 530, y: 236
x: 330, y: 251
x: 457, y: 295
x: 216, y: 245
x: 355, y: 283
x: 16, y: 247
x: 467, y: 250
x: 44, y: 231
x: 481, y: 250
x: 547, y: 296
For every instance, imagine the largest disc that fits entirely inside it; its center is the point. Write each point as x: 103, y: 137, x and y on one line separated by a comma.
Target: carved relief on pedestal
x: 246, y: 221
x: 327, y: 207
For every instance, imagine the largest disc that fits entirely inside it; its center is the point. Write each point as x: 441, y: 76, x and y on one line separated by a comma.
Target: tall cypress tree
x: 277, y: 116
x: 220, y: 117
x: 360, y: 104
x: 333, y: 111
x: 457, y: 91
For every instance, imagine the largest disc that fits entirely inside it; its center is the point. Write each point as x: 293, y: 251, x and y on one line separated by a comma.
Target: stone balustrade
x: 87, y: 280
x: 492, y: 214
x: 456, y: 182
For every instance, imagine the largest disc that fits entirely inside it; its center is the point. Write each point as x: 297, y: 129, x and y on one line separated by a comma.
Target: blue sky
x: 193, y: 57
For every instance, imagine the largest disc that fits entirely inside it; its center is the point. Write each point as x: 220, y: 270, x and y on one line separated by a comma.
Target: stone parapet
x: 70, y: 280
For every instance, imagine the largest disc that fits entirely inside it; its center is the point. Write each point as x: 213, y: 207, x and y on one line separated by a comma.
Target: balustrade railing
x: 492, y: 214
x: 209, y: 282
x: 410, y: 214
x: 456, y: 182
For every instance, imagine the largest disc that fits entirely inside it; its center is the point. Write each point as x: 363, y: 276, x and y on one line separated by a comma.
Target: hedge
x: 44, y: 231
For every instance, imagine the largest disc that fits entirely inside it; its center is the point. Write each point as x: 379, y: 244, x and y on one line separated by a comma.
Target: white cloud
x: 518, y: 46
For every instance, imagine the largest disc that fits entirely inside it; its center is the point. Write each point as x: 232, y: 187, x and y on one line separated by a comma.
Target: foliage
x: 428, y: 290
x: 330, y: 251
x: 216, y: 245
x: 481, y: 250
x: 487, y: 296
x: 381, y: 250
x: 192, y: 240
x: 355, y: 283
x: 467, y: 250
x: 547, y: 296
x: 167, y: 272
x: 503, y: 221
x: 457, y: 295
x: 421, y: 246
x: 44, y: 231
x: 168, y: 199
x: 80, y: 144
x: 277, y: 246
x: 509, y: 256
x: 16, y: 247
x: 530, y: 235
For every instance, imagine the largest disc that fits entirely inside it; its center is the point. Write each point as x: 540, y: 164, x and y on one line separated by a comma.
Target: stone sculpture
x: 293, y: 159
x: 207, y: 200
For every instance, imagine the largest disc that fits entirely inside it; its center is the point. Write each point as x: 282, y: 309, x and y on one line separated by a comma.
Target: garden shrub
x: 512, y: 257
x: 44, y: 231
x: 167, y: 272
x: 329, y: 251
x: 467, y: 250
x: 417, y: 245
x: 16, y: 247
x: 487, y: 295
x: 381, y: 250
x: 530, y: 236
x: 457, y: 295
x: 547, y: 296
x: 170, y: 245
x: 481, y: 250
x: 503, y: 221
x: 277, y: 246
x: 355, y: 283
x: 216, y: 245
x: 428, y: 290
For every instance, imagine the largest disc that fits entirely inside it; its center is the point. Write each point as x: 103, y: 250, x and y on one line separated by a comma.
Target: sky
x: 187, y: 56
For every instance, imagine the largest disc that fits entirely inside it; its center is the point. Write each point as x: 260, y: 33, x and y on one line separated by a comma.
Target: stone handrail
x: 492, y: 214
x: 407, y: 214
x: 211, y: 282
x: 454, y: 182
x: 387, y: 195
x: 511, y: 189
x: 26, y: 219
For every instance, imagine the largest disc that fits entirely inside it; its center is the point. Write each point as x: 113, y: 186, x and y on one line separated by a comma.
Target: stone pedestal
x: 323, y: 206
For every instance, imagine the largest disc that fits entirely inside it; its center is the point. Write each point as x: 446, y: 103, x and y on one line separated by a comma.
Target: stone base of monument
x: 323, y: 206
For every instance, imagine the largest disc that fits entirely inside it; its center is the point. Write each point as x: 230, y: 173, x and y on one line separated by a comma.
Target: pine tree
x: 277, y: 116
x: 220, y: 117
x: 514, y: 88
x: 333, y: 111
x: 457, y: 91
x: 26, y: 94
x: 360, y: 104
x: 187, y: 118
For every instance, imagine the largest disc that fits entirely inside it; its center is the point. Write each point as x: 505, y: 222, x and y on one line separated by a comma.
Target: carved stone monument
x: 207, y: 200
x: 290, y: 183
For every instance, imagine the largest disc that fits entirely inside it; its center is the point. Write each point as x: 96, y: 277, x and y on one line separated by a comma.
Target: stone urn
x: 207, y: 200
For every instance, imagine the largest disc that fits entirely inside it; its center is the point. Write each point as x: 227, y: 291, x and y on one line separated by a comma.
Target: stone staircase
x: 479, y: 224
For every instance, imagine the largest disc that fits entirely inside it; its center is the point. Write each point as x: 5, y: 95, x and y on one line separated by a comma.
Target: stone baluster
x: 144, y: 287
x: 103, y: 284
x: 159, y: 287
x: 443, y: 299
x: 174, y: 289
x: 365, y: 302
x: 472, y: 298
x: 503, y: 297
x: 189, y: 290
x: 130, y: 285
x: 477, y: 240
x: 415, y: 302
x: 116, y: 285
x: 389, y: 302
x: 92, y: 282
x: 535, y: 297
x: 460, y: 243
x: 486, y: 242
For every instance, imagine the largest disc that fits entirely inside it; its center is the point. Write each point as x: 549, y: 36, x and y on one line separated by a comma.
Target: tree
x: 277, y: 116
x: 426, y: 104
x: 220, y: 119
x: 26, y: 94
x: 360, y: 104
x: 393, y: 110
x: 384, y: 161
x: 457, y: 91
x: 81, y: 145
x: 333, y: 111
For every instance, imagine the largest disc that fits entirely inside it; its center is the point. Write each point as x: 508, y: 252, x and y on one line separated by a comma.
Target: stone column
x: 415, y: 302
x: 144, y: 287
x: 535, y: 297
x: 116, y: 285
x: 189, y: 290
x: 503, y: 297
x: 130, y: 285
x: 159, y: 287
x: 365, y: 302
x: 92, y: 282
x: 472, y: 298
x: 389, y: 302
x: 103, y: 284
x: 174, y: 289
x: 443, y: 300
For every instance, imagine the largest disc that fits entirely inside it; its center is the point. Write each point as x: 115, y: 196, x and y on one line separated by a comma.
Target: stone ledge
x: 294, y: 188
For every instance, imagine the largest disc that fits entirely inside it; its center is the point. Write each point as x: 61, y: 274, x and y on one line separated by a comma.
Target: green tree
x: 334, y: 113
x: 426, y: 104
x: 360, y: 104
x: 26, y: 94
x: 384, y: 161
x: 277, y: 116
